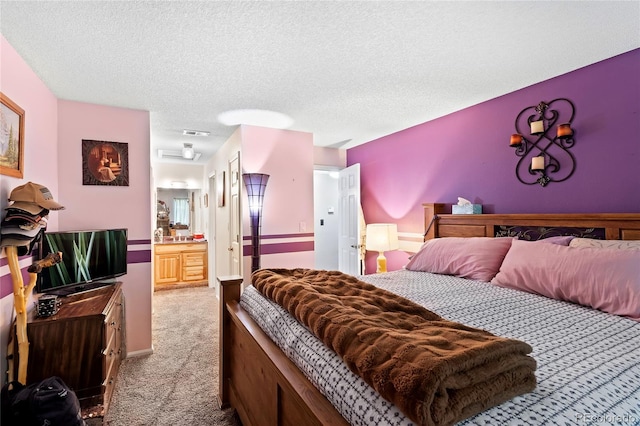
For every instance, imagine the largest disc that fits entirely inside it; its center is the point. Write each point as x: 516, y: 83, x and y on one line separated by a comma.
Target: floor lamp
x: 255, y: 184
x: 382, y: 237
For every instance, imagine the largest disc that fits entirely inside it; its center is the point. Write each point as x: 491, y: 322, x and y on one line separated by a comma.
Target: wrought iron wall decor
x: 545, y: 155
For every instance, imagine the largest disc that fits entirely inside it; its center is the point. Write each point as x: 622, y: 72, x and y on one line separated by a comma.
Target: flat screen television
x: 90, y: 259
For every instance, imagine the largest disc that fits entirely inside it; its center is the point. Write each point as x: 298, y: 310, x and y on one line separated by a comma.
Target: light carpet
x: 178, y: 383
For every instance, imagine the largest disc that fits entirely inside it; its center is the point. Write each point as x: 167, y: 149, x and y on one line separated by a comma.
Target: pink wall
x: 91, y: 206
x: 467, y: 154
x: 53, y: 131
x: 22, y: 86
x: 287, y: 226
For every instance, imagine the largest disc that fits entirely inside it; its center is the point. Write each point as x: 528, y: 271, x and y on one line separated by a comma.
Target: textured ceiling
x: 348, y: 72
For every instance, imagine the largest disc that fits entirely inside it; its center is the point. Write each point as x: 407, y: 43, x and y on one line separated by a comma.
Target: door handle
x: 229, y: 248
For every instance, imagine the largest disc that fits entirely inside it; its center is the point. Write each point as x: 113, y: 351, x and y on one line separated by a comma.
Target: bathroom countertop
x: 182, y: 240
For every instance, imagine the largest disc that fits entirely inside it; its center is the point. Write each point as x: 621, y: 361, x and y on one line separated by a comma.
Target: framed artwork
x: 11, y: 138
x: 206, y: 199
x: 105, y: 163
x: 220, y: 189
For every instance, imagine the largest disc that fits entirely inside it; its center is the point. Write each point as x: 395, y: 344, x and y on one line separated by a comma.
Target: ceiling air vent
x: 176, y: 155
x: 195, y: 133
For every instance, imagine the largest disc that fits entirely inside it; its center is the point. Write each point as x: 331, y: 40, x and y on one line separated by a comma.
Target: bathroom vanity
x: 180, y: 263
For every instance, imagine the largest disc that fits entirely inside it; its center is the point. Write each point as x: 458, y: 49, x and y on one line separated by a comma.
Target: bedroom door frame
x: 235, y: 217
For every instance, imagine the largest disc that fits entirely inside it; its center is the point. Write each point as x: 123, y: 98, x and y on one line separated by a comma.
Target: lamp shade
x: 382, y: 237
x: 255, y: 183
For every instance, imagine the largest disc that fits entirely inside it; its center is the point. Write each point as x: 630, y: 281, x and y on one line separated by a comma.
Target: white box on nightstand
x: 467, y: 209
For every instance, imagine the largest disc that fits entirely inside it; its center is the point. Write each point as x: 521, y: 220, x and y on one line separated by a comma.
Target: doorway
x: 338, y: 230
x: 326, y: 228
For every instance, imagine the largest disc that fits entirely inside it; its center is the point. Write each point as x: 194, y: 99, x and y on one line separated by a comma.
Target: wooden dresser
x: 180, y: 264
x: 83, y: 344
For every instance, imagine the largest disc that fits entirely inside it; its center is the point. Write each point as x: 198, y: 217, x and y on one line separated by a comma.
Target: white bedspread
x: 588, y: 361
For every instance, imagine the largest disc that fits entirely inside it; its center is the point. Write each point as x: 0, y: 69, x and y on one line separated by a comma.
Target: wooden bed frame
x: 266, y: 388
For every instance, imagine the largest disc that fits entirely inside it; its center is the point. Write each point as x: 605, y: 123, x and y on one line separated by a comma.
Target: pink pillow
x: 605, y: 279
x: 563, y: 240
x: 476, y: 258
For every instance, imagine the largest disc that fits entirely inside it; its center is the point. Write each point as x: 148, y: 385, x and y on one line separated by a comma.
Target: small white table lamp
x: 382, y: 237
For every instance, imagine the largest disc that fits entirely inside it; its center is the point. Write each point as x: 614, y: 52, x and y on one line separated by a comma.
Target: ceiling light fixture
x: 187, y: 151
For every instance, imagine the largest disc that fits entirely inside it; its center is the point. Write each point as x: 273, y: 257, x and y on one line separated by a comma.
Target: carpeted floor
x: 178, y: 383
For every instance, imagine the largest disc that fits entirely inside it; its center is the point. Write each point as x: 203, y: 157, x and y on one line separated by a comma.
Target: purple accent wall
x: 467, y: 154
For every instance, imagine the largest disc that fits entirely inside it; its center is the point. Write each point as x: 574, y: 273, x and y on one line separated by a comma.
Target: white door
x: 349, y: 228
x: 235, y: 219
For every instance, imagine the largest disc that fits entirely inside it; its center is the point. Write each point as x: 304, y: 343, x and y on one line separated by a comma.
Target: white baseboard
x: 143, y: 352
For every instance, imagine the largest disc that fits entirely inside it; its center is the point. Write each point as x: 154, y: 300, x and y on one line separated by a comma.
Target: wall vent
x: 187, y: 132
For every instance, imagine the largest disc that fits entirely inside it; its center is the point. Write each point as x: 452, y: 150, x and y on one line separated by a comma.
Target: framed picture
x: 220, y: 189
x: 11, y: 138
x: 206, y: 199
x: 105, y: 163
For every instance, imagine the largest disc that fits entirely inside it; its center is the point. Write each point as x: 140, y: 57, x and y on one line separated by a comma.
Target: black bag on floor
x: 49, y: 402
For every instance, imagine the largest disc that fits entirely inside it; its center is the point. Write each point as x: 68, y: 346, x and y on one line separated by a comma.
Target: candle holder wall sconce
x: 545, y: 155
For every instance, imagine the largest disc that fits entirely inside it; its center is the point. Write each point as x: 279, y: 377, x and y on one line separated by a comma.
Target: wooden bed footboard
x: 255, y: 376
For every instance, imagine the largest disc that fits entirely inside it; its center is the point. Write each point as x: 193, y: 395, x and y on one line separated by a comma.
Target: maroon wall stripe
x: 6, y: 283
x: 272, y: 237
x: 137, y: 242
x: 281, y: 248
x: 138, y: 256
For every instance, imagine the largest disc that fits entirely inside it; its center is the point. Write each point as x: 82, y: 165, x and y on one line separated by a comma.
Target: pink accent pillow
x: 604, y: 279
x: 563, y: 240
x: 476, y: 258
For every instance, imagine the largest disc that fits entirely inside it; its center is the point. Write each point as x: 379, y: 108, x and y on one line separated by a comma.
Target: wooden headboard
x: 609, y: 226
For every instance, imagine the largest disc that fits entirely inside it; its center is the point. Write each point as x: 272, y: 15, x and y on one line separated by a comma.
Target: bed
x: 588, y: 360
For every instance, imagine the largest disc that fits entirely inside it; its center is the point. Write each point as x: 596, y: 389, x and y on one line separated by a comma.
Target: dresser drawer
x: 193, y: 260
x: 112, y: 325
x: 110, y: 379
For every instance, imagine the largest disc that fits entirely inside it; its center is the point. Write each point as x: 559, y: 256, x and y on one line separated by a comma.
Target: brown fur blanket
x: 436, y: 371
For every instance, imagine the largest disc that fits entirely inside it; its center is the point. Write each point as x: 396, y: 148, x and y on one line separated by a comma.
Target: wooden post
x: 20, y: 296
x: 431, y: 212
x: 20, y: 305
x: 229, y: 291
